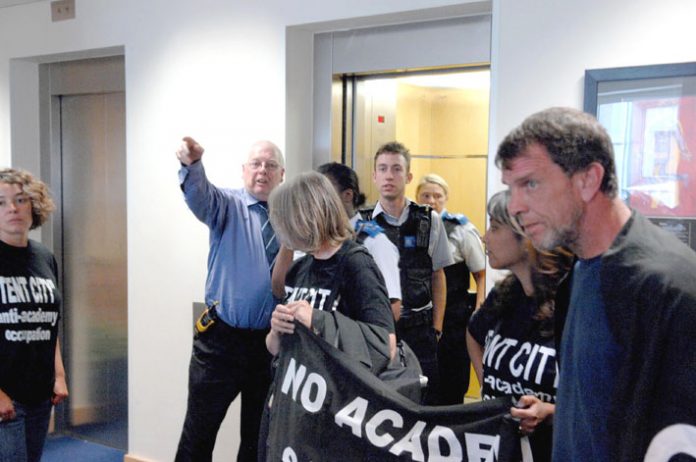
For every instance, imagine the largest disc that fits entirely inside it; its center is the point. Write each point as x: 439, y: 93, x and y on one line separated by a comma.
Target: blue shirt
x: 590, y: 356
x: 239, y: 276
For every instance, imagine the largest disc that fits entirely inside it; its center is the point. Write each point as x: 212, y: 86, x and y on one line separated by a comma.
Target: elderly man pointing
x: 229, y: 352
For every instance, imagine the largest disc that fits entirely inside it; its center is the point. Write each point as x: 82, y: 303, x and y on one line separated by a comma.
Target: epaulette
x: 371, y: 228
x: 455, y: 218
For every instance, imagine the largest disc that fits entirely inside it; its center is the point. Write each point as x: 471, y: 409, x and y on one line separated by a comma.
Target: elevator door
x: 92, y: 140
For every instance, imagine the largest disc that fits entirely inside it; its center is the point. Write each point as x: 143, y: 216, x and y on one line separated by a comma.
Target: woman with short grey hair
x: 336, y: 274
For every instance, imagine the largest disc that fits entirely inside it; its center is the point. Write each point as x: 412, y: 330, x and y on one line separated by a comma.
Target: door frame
x: 310, y: 67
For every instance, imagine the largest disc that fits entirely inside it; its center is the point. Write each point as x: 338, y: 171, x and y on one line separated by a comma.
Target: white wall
x: 214, y: 69
x: 541, y: 49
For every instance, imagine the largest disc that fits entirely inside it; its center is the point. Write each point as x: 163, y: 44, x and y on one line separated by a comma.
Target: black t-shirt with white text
x: 29, y: 312
x: 517, y: 359
x: 349, y: 281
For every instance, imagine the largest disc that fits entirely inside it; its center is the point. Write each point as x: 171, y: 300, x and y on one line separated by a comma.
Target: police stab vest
x: 412, y: 239
x: 457, y: 275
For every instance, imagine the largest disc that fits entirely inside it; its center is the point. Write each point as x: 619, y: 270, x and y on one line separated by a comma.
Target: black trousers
x: 419, y: 333
x: 452, y: 355
x: 225, y: 362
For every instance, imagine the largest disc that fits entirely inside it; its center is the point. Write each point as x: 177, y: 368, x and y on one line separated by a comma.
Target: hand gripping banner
x: 325, y: 406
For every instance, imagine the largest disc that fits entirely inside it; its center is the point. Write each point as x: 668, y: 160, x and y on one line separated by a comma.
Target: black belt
x: 210, y: 319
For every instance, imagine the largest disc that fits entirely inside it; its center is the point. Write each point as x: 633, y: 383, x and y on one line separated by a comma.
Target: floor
x: 98, y: 442
x: 112, y: 434
x: 62, y: 448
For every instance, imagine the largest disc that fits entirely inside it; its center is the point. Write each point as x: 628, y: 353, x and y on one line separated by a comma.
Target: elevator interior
x: 441, y: 115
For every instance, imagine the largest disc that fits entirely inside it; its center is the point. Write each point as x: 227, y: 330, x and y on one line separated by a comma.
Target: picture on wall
x: 650, y: 114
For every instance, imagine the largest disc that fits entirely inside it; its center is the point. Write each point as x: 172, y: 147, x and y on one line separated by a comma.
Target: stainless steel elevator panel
x: 95, y: 264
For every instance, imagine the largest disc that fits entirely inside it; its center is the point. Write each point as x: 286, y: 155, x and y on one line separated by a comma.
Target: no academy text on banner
x: 325, y: 404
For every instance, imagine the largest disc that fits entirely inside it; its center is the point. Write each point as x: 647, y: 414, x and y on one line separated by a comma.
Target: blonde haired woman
x: 467, y: 252
x: 32, y: 377
x: 336, y: 274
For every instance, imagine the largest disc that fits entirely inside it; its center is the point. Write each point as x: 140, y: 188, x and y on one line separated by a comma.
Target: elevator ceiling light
x: 462, y: 80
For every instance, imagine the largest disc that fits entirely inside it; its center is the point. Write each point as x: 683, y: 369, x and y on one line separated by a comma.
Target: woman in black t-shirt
x: 510, y: 339
x: 336, y: 274
x: 32, y: 377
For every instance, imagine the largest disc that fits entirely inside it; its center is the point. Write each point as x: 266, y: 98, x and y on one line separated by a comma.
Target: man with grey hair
x: 229, y: 351
x: 627, y: 349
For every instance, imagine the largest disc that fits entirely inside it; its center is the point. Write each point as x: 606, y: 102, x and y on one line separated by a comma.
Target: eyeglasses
x: 270, y: 166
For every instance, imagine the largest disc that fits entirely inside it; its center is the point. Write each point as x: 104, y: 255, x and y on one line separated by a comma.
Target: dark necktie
x: 269, y: 239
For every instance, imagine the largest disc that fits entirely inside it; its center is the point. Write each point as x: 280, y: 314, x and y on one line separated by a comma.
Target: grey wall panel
x: 322, y: 93
x: 449, y: 42
x: 87, y: 76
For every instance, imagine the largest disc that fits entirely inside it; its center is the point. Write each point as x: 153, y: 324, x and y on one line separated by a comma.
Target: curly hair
x: 41, y: 202
x: 548, y: 269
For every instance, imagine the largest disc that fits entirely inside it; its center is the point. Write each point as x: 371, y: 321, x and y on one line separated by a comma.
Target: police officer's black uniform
x: 415, y: 325
x: 453, y: 358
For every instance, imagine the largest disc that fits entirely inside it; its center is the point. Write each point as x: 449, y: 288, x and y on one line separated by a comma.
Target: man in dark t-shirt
x: 633, y: 295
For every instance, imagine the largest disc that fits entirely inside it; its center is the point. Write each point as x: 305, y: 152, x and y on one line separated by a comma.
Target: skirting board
x: 132, y: 458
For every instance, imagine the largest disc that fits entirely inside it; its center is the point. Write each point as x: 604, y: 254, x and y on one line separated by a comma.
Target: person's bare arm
x: 476, y: 355
x: 396, y: 308
x: 280, y: 270
x: 439, y: 298
x: 480, y: 278
x: 60, y: 386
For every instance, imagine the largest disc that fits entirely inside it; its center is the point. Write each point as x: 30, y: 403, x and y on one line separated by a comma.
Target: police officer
x: 467, y: 252
x: 418, y: 233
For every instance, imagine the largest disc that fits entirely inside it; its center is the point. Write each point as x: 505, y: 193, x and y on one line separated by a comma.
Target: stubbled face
x: 262, y: 172
x: 15, y: 213
x: 433, y: 195
x: 544, y: 199
x: 391, y: 176
x: 504, y: 247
